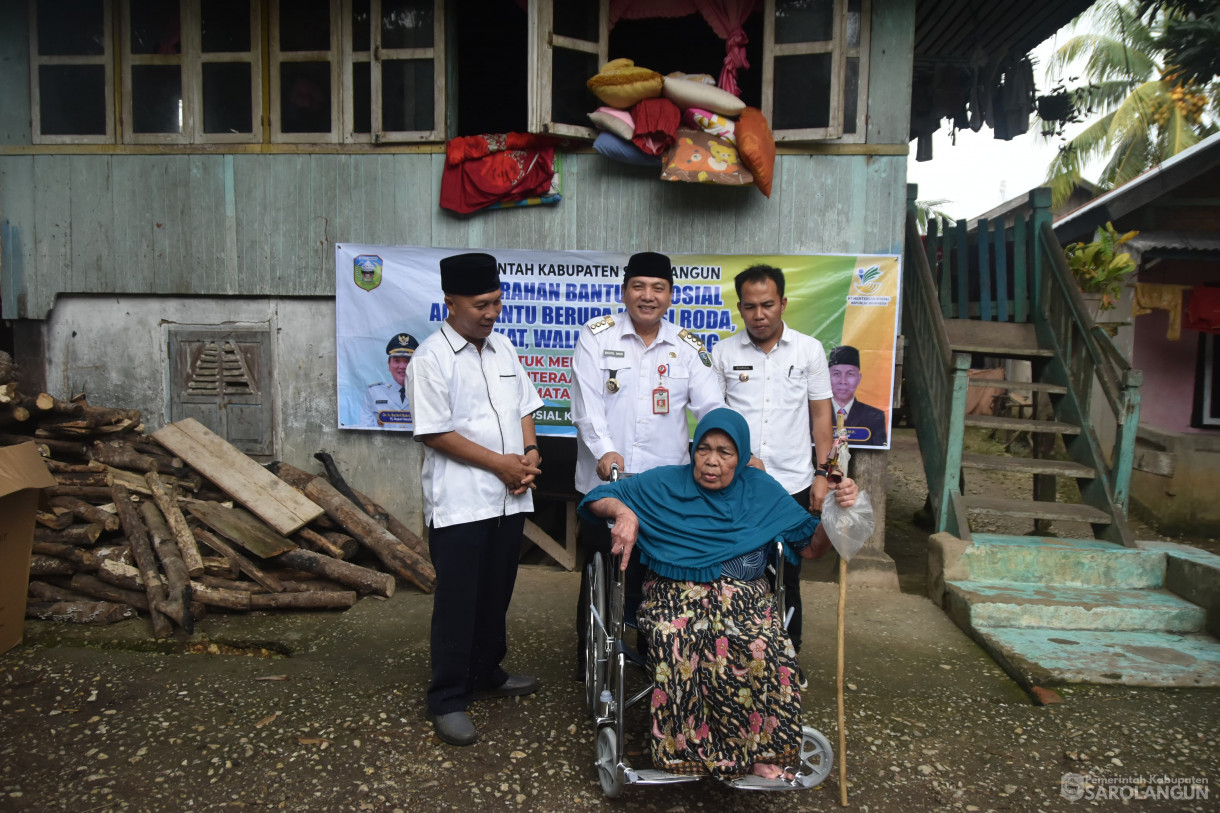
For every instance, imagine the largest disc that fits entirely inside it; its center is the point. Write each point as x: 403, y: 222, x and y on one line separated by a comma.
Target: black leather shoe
x: 514, y: 686
x: 454, y: 728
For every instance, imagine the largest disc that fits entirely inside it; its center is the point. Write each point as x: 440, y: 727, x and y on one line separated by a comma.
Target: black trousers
x: 476, y: 569
x: 595, y: 538
x: 792, y: 584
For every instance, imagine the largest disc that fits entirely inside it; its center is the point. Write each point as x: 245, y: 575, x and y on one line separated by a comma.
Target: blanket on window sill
x: 484, y: 170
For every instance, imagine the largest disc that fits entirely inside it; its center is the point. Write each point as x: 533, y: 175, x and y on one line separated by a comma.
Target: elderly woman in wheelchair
x: 724, y: 700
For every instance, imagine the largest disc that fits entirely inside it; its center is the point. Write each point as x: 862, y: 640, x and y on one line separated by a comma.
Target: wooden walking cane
x: 840, y: 462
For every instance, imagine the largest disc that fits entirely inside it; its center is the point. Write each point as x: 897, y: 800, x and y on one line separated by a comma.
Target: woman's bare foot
x: 769, y: 771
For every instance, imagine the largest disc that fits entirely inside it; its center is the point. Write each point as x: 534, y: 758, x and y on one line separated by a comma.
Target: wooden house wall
x: 252, y: 224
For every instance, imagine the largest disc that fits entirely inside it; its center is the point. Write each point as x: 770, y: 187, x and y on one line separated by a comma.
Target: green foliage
x: 1144, y: 112
x: 930, y: 210
x: 1098, y: 267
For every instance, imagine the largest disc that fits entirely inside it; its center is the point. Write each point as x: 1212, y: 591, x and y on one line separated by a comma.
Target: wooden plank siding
x: 266, y: 225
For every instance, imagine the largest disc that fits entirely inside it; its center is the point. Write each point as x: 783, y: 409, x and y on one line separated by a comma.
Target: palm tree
x: 1145, y: 116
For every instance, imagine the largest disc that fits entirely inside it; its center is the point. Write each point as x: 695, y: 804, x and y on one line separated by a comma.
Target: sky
x: 980, y: 172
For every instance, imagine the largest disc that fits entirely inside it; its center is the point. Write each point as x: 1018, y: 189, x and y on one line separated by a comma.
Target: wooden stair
x: 1033, y: 509
x: 1028, y: 465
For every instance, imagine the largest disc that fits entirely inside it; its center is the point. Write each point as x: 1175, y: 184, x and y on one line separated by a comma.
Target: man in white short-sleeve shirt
x: 473, y: 405
x: 635, y: 374
x: 777, y: 378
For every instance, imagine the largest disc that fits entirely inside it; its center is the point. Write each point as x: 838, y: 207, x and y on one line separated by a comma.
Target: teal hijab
x: 687, y: 531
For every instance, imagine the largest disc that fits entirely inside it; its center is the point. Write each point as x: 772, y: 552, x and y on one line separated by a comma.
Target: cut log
x: 311, y: 600
x: 177, y: 524
x: 146, y: 560
x: 80, y: 612
x: 177, y: 579
x: 242, y: 528
x: 229, y: 584
x: 54, y: 521
x: 219, y: 566
x: 340, y: 483
x: 122, y: 575
x: 41, y: 565
x: 402, y: 532
x: 96, y: 588
x: 361, y: 579
x: 136, y: 482
x: 394, y: 554
x: 56, y: 467
x: 114, y: 553
x: 220, y: 597
x: 81, y: 413
x: 80, y: 559
x: 88, y: 512
x: 238, y: 476
x: 60, y: 448
x: 84, y: 535
x: 50, y: 592
x: 83, y: 429
x: 80, y: 492
x: 348, y: 546
x: 123, y: 457
x: 243, y: 564
x: 8, y: 368
x: 315, y: 584
x: 81, y: 478
x: 323, y: 544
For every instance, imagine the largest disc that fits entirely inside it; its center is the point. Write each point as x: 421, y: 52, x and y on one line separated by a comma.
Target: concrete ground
x: 324, y: 712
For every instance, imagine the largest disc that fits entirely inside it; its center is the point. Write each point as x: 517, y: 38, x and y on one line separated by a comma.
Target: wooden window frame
x: 860, y: 51
x: 105, y: 59
x: 334, y: 56
x: 255, y: 59
x: 542, y: 41
x: 377, y: 133
x: 835, y: 46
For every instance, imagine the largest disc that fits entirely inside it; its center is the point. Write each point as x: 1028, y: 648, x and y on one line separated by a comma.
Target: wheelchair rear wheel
x: 595, y: 634
x: 817, y: 757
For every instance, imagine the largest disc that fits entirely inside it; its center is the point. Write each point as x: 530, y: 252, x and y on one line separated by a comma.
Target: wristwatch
x: 533, y: 448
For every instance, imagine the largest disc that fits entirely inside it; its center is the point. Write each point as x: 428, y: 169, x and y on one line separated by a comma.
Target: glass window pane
x: 225, y: 26
x: 305, y: 97
x: 578, y: 19
x: 362, y: 95
x: 804, y: 20
x: 227, y: 104
x: 362, y: 30
x: 571, y: 100
x: 305, y: 25
x: 406, y: 94
x: 72, y: 99
x: 802, y: 92
x: 851, y: 94
x: 86, y: 34
x: 156, y: 98
x: 407, y: 24
x: 155, y: 28
x: 853, y: 22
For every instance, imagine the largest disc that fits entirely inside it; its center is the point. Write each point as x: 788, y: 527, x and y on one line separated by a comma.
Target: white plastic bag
x: 848, y: 528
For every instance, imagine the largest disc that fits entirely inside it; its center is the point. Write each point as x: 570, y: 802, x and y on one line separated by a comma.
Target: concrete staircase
x: 1054, y: 611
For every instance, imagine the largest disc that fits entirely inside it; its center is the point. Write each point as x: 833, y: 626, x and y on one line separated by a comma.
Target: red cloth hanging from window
x: 1203, y: 310
x: 726, y: 17
x: 486, y: 169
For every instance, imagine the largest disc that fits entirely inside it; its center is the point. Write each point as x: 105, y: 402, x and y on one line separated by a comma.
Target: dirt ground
x: 325, y: 712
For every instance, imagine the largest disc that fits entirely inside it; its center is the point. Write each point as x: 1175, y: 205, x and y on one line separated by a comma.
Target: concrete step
x: 1020, y: 386
x: 1022, y: 424
x: 1071, y: 562
x: 1035, y: 509
x: 1056, y: 606
x: 1027, y: 465
x: 999, y: 339
x: 1041, y: 657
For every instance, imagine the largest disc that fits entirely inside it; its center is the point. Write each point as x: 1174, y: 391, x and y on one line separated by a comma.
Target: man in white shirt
x: 474, y: 406
x: 385, y: 403
x: 634, y: 376
x: 777, y: 378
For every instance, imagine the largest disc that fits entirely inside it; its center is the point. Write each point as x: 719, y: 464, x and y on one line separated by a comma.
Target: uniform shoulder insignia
x: 599, y: 324
x: 693, y: 340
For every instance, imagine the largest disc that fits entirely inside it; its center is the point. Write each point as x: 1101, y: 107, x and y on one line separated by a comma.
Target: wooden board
x: 240, y: 527
x: 270, y: 498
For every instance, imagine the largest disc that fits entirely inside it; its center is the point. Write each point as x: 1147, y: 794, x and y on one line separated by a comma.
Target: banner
x: 388, y: 296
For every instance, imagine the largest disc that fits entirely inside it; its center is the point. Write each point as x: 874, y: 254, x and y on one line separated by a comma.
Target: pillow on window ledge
x: 621, y: 83
x: 614, y: 121
x: 695, y: 118
x: 685, y: 93
x: 618, y: 149
x: 700, y: 157
x: 757, y: 147
x: 702, y: 78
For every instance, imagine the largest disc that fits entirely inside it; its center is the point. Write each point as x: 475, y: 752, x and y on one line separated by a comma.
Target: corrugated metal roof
x: 1152, y: 243
x: 952, y: 30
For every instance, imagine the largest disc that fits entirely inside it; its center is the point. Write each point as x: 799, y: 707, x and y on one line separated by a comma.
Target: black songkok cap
x: 844, y: 354
x: 649, y: 264
x: 469, y: 274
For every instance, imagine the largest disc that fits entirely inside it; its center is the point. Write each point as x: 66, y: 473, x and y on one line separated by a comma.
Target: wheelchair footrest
x: 651, y: 776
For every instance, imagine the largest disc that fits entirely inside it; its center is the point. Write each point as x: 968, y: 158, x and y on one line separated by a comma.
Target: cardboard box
x: 22, y: 473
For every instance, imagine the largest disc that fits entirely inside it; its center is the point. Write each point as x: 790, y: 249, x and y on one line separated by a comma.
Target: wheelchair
x: 607, y: 662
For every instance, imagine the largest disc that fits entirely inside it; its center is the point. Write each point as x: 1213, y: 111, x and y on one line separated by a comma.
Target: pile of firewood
x: 179, y: 523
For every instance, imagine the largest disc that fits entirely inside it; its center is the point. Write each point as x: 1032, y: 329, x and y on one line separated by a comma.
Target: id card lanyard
x: 660, y: 396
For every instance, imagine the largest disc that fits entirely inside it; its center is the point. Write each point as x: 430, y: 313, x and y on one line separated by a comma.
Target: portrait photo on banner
x: 388, y: 299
